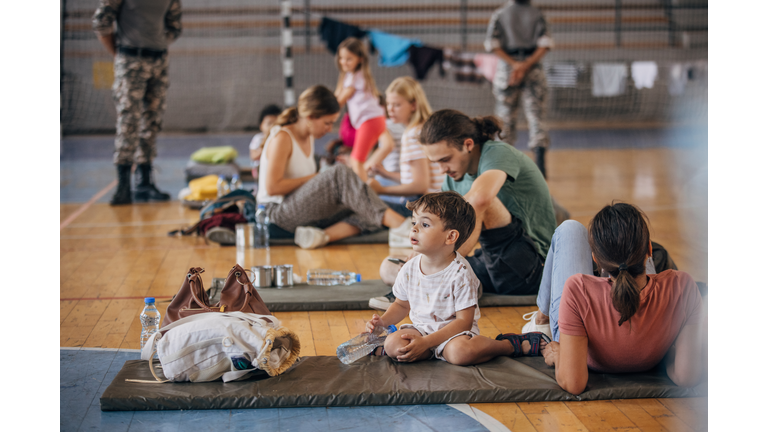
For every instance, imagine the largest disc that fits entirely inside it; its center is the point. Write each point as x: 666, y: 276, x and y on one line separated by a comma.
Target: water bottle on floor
x: 150, y: 320
x: 222, y: 186
x: 236, y: 183
x: 331, y: 277
x: 261, y: 232
x: 363, y: 344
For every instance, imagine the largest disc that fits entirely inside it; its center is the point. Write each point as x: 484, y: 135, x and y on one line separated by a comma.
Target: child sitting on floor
x: 439, y: 290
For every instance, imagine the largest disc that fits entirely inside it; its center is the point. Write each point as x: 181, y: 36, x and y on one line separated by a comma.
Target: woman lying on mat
x: 627, y: 322
x: 297, y: 198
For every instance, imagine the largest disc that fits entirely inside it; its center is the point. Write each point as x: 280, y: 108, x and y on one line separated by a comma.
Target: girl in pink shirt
x: 357, y: 89
x: 628, y: 322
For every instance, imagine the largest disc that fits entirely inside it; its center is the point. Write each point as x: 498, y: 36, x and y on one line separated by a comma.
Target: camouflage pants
x: 139, y: 91
x: 533, y: 90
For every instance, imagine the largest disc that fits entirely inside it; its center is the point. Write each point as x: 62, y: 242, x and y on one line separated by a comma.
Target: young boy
x: 439, y: 290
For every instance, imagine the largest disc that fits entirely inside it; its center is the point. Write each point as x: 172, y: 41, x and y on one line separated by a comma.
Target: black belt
x: 521, y: 51
x: 142, y: 52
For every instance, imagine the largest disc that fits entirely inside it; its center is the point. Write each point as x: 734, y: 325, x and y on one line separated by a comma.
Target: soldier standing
x: 517, y: 34
x: 140, y: 49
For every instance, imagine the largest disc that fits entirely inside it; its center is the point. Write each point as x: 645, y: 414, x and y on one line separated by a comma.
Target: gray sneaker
x: 221, y: 235
x: 381, y: 303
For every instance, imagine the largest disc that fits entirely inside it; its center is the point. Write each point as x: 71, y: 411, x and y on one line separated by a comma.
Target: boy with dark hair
x: 438, y: 291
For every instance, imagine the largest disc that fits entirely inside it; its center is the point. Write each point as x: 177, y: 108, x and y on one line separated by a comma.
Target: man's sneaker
x: 310, y: 237
x: 532, y: 327
x: 221, y: 235
x: 400, y: 237
x: 381, y: 303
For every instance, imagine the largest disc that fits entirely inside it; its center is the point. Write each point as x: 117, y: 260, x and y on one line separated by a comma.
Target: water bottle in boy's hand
x: 363, y: 344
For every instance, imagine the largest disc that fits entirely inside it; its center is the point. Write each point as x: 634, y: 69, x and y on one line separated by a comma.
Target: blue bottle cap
x: 391, y: 328
x: 358, y: 277
x: 148, y: 300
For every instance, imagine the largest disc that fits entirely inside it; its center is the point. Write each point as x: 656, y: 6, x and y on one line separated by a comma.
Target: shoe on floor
x: 310, y: 237
x: 400, y: 237
x: 381, y: 303
x: 531, y: 325
x: 221, y: 235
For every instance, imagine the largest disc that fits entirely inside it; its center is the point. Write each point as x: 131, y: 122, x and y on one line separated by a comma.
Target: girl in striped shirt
x: 407, y: 104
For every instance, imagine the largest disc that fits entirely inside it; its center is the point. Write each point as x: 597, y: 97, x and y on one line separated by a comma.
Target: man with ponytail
x: 629, y: 321
x: 514, y: 212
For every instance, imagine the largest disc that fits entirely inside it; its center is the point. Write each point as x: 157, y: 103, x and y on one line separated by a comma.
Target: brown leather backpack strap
x: 192, y: 275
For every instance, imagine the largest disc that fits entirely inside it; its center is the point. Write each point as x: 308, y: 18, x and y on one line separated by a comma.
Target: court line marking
x: 111, y: 298
x: 85, y: 206
x: 127, y: 224
x: 481, y: 417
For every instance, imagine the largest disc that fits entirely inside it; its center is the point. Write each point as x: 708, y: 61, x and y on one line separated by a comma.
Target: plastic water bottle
x: 363, y: 344
x: 150, y: 320
x: 222, y: 186
x: 261, y: 234
x: 331, y: 277
x: 236, y: 183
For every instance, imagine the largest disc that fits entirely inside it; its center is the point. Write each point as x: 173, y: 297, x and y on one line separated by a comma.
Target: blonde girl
x: 315, y: 208
x: 357, y: 89
x: 406, y: 104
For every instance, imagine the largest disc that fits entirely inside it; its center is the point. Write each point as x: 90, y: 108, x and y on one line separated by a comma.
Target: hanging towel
x: 486, y: 65
x: 423, y: 58
x: 334, y: 32
x: 563, y: 74
x: 678, y: 78
x: 393, y: 50
x: 609, y: 79
x: 644, y: 73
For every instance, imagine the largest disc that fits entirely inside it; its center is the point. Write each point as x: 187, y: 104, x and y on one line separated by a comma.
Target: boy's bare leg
x: 465, y: 351
x: 395, y: 342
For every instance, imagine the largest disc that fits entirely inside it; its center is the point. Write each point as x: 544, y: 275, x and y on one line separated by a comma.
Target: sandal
x: 534, y: 338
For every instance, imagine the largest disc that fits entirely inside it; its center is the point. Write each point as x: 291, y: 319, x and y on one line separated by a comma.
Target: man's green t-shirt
x: 525, y: 193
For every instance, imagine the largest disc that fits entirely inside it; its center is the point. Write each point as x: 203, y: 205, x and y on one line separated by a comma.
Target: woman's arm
x: 278, y: 152
x: 569, y: 357
x: 386, y: 144
x: 684, y: 359
x: 420, y: 171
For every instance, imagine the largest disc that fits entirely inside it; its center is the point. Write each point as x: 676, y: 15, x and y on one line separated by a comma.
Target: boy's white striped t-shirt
x: 410, y: 150
x: 435, y: 298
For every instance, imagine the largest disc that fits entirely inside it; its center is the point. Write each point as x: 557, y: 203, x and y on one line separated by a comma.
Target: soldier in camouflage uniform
x: 144, y: 28
x: 517, y: 34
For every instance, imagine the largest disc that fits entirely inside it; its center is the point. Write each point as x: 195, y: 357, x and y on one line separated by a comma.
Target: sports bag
x: 231, y: 346
x: 238, y: 295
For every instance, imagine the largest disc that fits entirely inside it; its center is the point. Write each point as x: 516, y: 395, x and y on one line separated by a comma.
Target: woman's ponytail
x: 288, y: 116
x: 625, y: 295
x: 619, y: 239
x: 455, y: 127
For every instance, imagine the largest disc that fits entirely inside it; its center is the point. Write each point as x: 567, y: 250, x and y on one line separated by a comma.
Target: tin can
x: 284, y: 275
x: 263, y: 276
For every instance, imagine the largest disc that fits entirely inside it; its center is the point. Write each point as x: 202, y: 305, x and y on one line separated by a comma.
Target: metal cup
x: 263, y: 276
x: 244, y: 235
x: 284, y: 275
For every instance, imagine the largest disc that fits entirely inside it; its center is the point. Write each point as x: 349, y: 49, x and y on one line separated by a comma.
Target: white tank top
x: 299, y: 164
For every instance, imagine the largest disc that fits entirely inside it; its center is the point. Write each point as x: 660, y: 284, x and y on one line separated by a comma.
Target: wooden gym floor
x: 111, y: 258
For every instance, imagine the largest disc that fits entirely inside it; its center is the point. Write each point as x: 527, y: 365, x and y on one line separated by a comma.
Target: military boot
x: 539, y: 153
x: 123, y: 193
x: 145, y: 189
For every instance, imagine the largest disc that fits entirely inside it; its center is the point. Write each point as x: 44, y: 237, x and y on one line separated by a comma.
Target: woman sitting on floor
x: 628, y: 322
x: 317, y: 208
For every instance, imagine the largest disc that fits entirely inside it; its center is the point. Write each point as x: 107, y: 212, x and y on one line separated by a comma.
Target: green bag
x: 215, y: 155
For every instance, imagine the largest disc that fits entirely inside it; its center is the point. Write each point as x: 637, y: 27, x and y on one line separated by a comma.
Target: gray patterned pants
x: 139, y: 92
x: 334, y: 195
x: 533, y: 90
